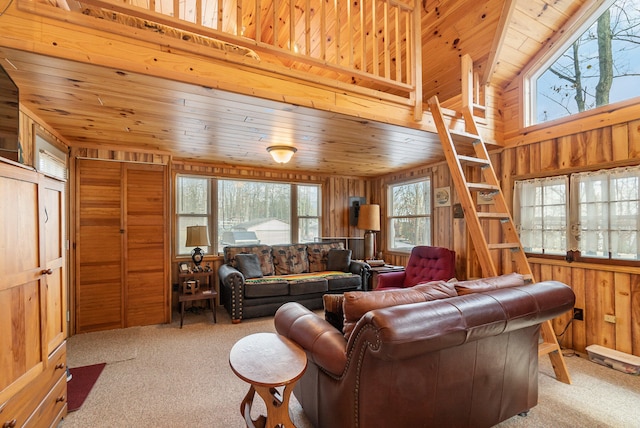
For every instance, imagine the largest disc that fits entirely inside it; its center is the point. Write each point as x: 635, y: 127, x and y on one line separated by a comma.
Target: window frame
x: 212, y: 204
x: 567, y: 35
x: 574, y: 255
x: 390, y: 217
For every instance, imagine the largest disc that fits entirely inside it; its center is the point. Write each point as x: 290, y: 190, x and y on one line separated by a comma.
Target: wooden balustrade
x: 372, y: 43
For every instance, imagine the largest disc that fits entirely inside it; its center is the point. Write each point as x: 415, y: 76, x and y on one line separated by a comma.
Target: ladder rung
x: 493, y: 216
x: 504, y: 246
x: 482, y: 187
x: 546, y: 348
x: 472, y: 160
x: 464, y: 137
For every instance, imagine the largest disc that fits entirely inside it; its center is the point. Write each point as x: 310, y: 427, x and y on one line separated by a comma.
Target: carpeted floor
x: 164, y: 376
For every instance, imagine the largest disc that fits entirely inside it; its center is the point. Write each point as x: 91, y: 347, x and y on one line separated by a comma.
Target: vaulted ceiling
x: 93, y: 104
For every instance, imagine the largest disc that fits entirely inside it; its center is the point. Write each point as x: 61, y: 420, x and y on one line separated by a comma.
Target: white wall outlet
x: 610, y: 318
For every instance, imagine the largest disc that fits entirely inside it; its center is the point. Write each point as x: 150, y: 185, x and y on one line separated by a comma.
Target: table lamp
x: 369, y: 220
x: 197, y: 236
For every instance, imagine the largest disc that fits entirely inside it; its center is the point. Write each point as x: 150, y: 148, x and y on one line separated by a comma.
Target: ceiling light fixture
x: 281, y: 154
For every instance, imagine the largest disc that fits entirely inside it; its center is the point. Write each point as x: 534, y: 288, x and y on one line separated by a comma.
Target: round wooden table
x: 268, y: 361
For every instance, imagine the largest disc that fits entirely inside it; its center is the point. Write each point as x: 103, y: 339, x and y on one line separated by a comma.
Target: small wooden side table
x: 377, y: 270
x: 205, y: 292
x: 268, y: 361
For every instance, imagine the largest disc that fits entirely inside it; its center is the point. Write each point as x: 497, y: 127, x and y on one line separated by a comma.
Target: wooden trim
x: 508, y: 8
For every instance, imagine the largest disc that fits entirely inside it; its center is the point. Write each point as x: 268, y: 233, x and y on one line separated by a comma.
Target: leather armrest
x: 391, y: 279
x: 229, y: 275
x: 323, y: 343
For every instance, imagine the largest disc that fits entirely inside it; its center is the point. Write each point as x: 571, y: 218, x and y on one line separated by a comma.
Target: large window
x: 243, y: 212
x: 600, y: 66
x: 409, y: 215
x: 590, y: 215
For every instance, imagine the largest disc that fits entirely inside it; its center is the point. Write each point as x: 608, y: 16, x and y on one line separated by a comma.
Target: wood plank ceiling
x: 94, y: 105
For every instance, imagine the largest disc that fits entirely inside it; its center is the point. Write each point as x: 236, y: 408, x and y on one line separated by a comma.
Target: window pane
x: 261, y: 208
x: 541, y: 214
x: 309, y: 229
x: 183, y: 223
x: 408, y: 232
x: 410, y: 215
x: 192, y: 195
x: 580, y: 80
x: 308, y: 201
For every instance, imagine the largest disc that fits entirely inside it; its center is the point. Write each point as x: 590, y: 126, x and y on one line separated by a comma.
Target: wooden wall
x: 605, y: 138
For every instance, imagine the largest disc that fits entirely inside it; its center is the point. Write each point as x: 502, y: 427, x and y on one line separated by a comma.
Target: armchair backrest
x: 429, y: 264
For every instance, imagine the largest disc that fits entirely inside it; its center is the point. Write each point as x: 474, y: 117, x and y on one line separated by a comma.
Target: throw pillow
x: 333, y: 313
x: 339, y: 260
x: 358, y: 303
x: 487, y: 284
x: 249, y: 265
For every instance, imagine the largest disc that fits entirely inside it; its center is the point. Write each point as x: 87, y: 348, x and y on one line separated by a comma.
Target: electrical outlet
x: 610, y: 318
x: 578, y: 314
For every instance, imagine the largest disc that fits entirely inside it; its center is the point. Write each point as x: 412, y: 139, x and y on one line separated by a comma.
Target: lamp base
x: 197, y: 255
x: 369, y: 245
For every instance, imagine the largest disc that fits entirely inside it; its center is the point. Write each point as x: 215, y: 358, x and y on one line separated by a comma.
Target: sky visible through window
x: 578, y: 80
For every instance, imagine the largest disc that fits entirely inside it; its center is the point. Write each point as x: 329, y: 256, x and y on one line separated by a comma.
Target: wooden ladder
x: 466, y: 150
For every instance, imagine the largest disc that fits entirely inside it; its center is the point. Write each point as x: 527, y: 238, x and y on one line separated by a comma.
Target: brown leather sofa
x: 464, y: 361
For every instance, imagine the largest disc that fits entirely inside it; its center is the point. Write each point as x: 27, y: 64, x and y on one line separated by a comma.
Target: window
x: 600, y: 67
x: 409, y: 215
x: 601, y: 212
x: 243, y: 212
x: 608, y: 214
x: 541, y: 214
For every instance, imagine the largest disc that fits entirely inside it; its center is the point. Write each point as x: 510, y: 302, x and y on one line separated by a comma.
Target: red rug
x: 79, y: 387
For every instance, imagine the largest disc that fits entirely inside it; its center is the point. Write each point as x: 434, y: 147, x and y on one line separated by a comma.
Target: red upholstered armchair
x: 425, y: 264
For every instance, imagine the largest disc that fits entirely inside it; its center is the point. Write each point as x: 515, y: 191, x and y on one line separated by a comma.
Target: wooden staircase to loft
x: 466, y: 153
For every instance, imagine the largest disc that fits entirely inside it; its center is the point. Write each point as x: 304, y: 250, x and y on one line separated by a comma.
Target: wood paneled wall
x: 590, y: 141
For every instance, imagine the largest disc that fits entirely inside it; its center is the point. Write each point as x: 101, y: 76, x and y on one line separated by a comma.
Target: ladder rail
x: 473, y: 218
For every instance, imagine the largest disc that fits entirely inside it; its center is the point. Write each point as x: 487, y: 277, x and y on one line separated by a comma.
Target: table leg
x: 181, y: 313
x: 277, y: 406
x: 213, y: 308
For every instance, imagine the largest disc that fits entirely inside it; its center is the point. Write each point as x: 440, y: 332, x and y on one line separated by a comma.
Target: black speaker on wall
x: 354, y: 208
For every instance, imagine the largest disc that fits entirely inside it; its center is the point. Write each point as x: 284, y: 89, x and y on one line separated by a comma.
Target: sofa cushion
x: 487, y: 284
x: 265, y: 287
x: 249, y: 265
x: 290, y: 259
x: 339, y: 260
x: 358, y: 303
x: 333, y: 312
x: 309, y: 285
x: 318, y: 252
x: 263, y: 252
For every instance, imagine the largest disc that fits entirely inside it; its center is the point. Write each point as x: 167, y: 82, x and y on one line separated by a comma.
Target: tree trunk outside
x: 605, y: 59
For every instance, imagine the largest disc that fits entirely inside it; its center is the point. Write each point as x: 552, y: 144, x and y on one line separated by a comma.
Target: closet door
x: 122, y: 250
x: 146, y: 291
x: 99, y: 261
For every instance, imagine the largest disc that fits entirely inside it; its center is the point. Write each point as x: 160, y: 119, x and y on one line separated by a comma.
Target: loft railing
x: 374, y: 44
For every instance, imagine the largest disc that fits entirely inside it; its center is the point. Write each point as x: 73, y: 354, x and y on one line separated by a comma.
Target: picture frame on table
x: 184, y: 267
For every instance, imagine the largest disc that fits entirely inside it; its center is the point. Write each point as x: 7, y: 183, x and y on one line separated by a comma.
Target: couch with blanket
x: 441, y: 354
x: 256, y: 280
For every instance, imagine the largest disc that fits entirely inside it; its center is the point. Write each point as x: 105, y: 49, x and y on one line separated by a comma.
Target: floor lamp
x: 369, y: 221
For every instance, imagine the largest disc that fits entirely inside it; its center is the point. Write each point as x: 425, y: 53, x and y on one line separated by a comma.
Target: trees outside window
x: 600, y: 67
x: 409, y: 215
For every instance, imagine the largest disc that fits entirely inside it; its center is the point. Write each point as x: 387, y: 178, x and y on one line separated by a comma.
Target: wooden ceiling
x: 94, y: 105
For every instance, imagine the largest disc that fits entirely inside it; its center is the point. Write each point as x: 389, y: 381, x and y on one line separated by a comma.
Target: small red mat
x: 81, y: 383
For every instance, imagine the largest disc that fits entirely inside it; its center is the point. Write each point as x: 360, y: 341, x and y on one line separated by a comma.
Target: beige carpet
x: 164, y: 376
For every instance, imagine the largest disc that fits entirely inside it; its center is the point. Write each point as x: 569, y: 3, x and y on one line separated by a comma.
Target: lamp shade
x: 197, y: 236
x: 281, y: 154
x: 369, y: 217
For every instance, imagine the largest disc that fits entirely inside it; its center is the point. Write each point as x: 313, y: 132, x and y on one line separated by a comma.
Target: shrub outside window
x: 409, y: 215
